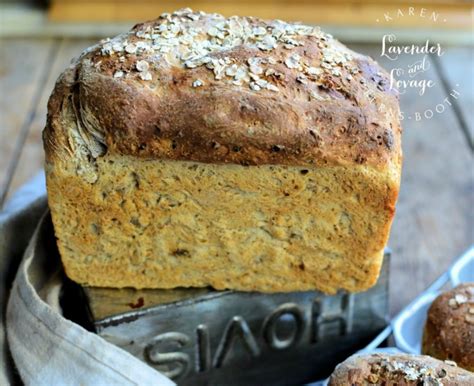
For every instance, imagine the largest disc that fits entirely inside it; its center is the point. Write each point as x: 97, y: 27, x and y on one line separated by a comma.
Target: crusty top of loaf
x: 201, y: 87
x: 450, y: 324
x: 399, y: 369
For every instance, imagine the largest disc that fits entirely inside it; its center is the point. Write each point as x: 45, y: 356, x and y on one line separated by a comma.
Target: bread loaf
x: 197, y: 150
x: 399, y: 370
x: 449, y: 328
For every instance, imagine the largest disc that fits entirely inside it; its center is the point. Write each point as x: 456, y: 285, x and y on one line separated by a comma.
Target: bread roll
x: 399, y: 370
x: 197, y: 150
x: 449, y: 328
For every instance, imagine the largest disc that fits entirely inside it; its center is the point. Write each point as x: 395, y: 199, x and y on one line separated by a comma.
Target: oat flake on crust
x: 192, y: 39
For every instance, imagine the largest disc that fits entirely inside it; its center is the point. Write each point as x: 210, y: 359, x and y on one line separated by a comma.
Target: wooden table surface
x: 434, y: 219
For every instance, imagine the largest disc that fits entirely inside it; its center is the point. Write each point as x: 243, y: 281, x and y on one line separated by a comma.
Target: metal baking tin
x: 407, y: 326
x: 205, y: 337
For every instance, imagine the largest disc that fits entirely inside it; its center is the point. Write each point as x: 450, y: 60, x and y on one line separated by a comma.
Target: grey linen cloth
x: 18, y: 220
x: 48, y: 349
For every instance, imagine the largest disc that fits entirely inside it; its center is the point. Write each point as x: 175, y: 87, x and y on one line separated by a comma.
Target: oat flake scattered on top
x: 460, y: 298
x: 145, y: 75
x: 293, y: 61
x: 194, y: 39
x: 142, y: 65
x: 197, y: 83
x: 131, y: 48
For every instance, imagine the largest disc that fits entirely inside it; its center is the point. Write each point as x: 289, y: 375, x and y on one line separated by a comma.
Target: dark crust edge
x: 177, y: 122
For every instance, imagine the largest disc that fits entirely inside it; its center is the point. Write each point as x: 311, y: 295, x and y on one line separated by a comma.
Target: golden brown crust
x: 449, y: 329
x: 399, y: 370
x: 332, y: 106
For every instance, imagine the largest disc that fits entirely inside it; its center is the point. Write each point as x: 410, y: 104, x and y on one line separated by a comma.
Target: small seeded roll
x: 400, y: 370
x: 449, y: 329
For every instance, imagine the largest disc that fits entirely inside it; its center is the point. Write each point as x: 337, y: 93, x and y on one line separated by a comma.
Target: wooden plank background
x: 32, y: 153
x: 454, y: 13
x: 434, y: 220
x: 20, y: 80
x: 435, y: 216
